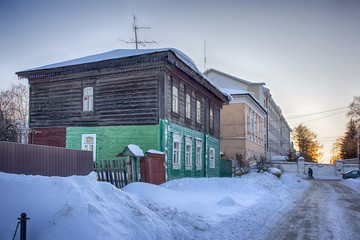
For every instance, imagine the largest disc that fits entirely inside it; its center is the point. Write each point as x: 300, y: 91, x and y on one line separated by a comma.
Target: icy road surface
x: 327, y: 210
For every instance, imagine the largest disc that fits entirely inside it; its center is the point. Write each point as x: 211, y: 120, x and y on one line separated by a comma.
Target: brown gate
x: 152, y: 168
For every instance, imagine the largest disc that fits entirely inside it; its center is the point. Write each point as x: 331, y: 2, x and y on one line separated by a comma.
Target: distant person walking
x: 310, y: 173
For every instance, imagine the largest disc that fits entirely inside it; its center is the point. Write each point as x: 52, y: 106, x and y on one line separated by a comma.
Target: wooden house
x: 154, y: 98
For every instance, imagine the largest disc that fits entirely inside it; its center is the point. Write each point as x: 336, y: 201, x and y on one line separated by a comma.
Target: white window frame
x: 198, y: 111
x: 188, y: 105
x: 188, y: 153
x: 198, y: 154
x: 211, y: 118
x: 212, y: 158
x: 88, y: 99
x: 175, y: 99
x: 87, y: 146
x: 176, y: 157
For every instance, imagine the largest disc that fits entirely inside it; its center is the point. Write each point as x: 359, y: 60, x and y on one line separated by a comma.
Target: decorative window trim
x: 88, y: 99
x: 188, y: 153
x: 212, y: 158
x: 176, y: 156
x: 198, y: 154
x: 85, y: 145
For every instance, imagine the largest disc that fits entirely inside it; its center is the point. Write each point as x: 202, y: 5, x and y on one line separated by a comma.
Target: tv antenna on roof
x: 136, y: 41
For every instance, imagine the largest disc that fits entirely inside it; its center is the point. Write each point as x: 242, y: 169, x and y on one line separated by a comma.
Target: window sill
x: 87, y: 113
x: 176, y: 166
x: 175, y: 115
x: 188, y: 168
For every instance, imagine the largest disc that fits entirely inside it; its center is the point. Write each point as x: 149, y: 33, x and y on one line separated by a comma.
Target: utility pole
x: 136, y: 28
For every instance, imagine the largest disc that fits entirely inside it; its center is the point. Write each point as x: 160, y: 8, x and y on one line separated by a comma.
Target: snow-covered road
x: 327, y: 210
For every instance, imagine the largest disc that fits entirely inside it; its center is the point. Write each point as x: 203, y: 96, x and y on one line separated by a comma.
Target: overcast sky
x: 307, y: 52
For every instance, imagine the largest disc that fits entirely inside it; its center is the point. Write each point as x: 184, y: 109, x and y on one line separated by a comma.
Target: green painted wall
x: 112, y: 140
x: 167, y: 128
x: 213, y: 143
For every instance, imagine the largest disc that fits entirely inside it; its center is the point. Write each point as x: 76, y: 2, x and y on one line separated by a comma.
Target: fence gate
x: 112, y: 171
x: 152, y: 168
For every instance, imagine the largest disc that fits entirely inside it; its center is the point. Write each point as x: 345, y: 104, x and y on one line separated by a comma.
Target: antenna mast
x: 204, y: 55
x: 136, y: 28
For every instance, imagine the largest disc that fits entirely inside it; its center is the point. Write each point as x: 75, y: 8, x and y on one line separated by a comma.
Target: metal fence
x: 44, y: 160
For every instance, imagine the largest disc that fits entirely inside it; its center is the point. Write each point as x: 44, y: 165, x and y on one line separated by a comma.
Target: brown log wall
x: 44, y: 160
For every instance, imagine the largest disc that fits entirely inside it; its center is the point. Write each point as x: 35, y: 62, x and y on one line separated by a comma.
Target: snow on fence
x: 112, y: 171
x: 300, y: 168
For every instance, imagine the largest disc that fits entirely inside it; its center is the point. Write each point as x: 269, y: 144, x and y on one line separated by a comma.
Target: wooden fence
x: 44, y: 160
x: 112, y: 171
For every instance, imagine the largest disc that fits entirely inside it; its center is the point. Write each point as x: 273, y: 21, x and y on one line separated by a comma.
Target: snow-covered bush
x: 262, y: 164
x: 241, y: 166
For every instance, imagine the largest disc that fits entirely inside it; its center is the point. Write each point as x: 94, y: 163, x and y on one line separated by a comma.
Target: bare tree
x: 241, y: 165
x: 355, y: 109
x: 14, y: 105
x: 262, y: 164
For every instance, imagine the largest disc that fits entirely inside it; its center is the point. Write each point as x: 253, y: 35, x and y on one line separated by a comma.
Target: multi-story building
x: 272, y: 134
x: 154, y: 98
x: 277, y: 138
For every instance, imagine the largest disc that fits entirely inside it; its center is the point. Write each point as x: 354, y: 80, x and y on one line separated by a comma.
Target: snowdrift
x: 79, y: 207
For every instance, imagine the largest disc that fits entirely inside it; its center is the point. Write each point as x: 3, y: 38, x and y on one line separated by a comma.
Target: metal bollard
x: 23, y: 220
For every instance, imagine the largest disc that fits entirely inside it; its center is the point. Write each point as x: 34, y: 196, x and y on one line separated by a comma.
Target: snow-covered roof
x: 122, y: 53
x: 235, y: 91
x: 115, y: 54
x: 154, y: 151
x: 241, y: 92
x: 233, y: 77
x: 136, y: 150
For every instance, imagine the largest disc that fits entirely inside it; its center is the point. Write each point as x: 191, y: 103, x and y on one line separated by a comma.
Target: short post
x: 301, y: 166
x: 23, y: 220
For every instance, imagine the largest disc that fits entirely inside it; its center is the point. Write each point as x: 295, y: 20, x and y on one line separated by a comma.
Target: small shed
x: 133, y: 152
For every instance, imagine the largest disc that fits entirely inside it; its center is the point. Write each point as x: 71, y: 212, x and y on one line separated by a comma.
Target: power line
x: 310, y: 114
x: 324, y: 117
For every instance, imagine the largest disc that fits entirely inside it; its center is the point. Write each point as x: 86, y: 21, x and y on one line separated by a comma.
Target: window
x: 212, y: 158
x: 198, y: 154
x: 188, y: 153
x: 211, y: 118
x: 188, y: 106
x: 88, y: 99
x: 88, y: 143
x: 198, y: 111
x: 175, y: 99
x: 176, y: 150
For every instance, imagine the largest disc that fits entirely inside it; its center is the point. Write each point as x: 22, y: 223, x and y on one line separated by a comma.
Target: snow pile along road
x: 192, y: 208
